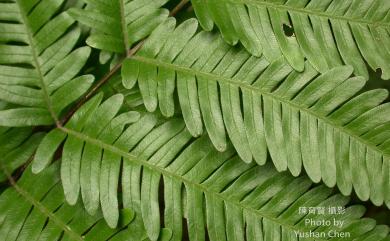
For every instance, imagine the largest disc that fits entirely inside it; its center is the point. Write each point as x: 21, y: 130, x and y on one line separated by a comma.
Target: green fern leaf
x: 35, y: 209
x: 17, y: 145
x: 132, y: 98
x: 303, y: 118
x: 118, y: 24
x: 200, y: 183
x: 327, y: 33
x: 114, y: 171
x: 39, y: 67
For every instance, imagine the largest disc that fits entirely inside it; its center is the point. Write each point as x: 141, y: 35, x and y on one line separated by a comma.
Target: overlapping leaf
x: 213, y: 190
x: 17, y: 145
x: 35, y: 209
x: 39, y: 67
x: 319, y: 121
x: 326, y: 32
x: 118, y: 24
x: 132, y: 98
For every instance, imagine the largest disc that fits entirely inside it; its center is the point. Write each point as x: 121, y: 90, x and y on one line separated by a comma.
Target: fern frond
x: 327, y: 33
x: 39, y: 67
x: 97, y: 122
x: 303, y: 118
x: 35, y: 209
x: 198, y: 180
x: 118, y: 24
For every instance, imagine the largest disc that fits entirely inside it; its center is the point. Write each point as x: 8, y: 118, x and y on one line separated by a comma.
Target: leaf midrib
x: 217, y: 78
x: 37, y: 204
x: 36, y: 64
x: 308, y: 12
x: 164, y: 172
x: 48, y: 213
